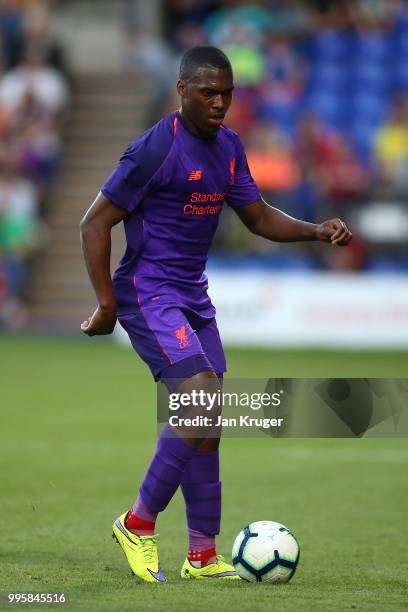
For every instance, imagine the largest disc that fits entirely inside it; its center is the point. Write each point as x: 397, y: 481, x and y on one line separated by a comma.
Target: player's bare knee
x: 200, y: 408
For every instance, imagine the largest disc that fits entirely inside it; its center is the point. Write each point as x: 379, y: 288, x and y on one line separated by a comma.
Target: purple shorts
x: 174, y: 343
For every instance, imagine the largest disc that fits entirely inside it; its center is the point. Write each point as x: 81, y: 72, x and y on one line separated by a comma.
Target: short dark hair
x: 197, y: 57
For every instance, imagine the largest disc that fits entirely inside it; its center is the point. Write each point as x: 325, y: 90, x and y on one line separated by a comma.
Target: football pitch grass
x: 78, y: 430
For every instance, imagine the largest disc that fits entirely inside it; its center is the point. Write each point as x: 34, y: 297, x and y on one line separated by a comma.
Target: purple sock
x: 200, y: 541
x: 202, y: 493
x: 142, y: 511
x: 165, y: 471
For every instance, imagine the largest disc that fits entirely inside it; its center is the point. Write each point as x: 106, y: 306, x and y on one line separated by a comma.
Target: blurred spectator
x: 341, y: 178
x: 312, y: 145
x: 246, y: 59
x: 19, y: 236
x: 328, y: 160
x: 281, y: 91
x: 240, y: 32
x: 391, y: 148
x: 37, y: 29
x: 34, y: 76
x: 271, y: 160
x: 221, y: 26
x: 11, y: 35
x: 22, y: 21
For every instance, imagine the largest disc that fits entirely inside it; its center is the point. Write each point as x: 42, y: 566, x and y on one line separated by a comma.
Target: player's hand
x: 101, y: 323
x: 334, y: 231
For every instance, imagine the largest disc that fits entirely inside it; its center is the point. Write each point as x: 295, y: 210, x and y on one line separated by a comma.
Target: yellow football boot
x: 140, y: 551
x: 218, y: 569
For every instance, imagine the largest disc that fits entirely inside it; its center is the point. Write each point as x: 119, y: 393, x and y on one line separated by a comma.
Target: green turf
x: 78, y: 428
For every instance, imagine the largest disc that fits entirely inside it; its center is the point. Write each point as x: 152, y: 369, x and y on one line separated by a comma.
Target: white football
x: 265, y: 551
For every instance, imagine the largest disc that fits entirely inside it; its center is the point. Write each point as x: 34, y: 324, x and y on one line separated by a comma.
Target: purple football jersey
x: 174, y: 185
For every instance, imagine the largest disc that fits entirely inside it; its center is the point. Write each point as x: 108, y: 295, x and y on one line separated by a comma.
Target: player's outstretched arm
x: 273, y: 224
x: 95, y: 230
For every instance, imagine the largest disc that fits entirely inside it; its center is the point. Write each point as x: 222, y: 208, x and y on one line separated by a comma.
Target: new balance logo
x: 195, y: 175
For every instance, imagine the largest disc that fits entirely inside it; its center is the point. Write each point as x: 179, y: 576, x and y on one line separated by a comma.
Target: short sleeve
x: 125, y: 185
x: 131, y: 180
x: 243, y: 189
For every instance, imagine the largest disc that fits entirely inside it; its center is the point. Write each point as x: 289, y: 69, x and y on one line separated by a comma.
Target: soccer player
x: 169, y: 189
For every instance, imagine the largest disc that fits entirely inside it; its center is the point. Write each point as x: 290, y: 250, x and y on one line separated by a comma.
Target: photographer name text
x: 242, y: 421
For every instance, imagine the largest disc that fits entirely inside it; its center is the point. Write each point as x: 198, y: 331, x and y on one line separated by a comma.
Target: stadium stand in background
x: 321, y: 103
x: 67, y: 110
x: 34, y: 96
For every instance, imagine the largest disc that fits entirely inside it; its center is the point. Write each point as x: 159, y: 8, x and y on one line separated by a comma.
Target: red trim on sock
x: 138, y: 525
x: 203, y: 556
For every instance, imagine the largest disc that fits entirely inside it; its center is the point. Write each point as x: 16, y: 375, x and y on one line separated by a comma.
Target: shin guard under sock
x: 166, y: 470
x: 202, y: 493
